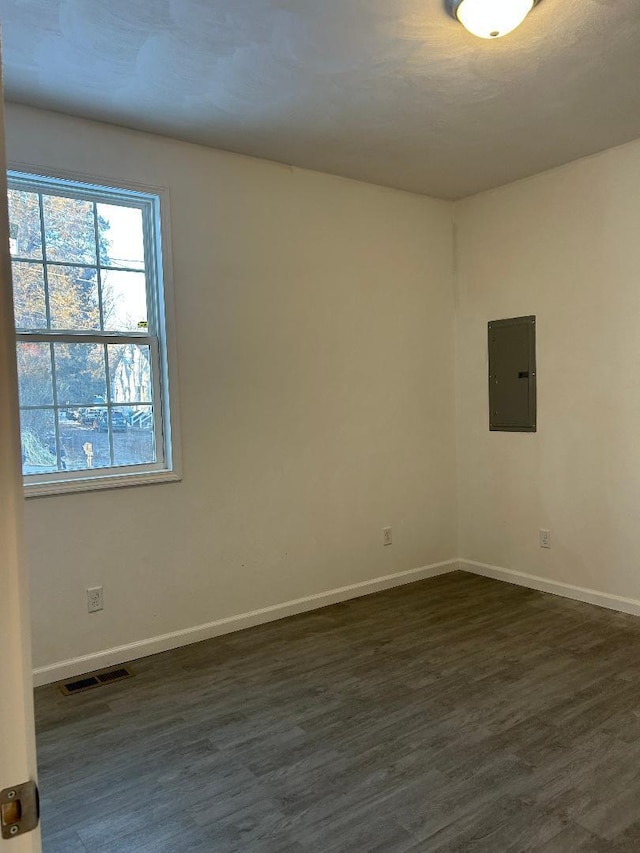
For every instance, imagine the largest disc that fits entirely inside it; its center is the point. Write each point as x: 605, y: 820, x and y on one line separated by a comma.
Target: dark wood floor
x: 455, y: 714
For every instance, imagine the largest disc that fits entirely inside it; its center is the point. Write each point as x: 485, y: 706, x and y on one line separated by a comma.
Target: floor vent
x: 113, y: 675
x: 95, y: 680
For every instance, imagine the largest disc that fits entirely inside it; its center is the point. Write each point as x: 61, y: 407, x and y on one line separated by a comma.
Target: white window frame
x: 159, y: 335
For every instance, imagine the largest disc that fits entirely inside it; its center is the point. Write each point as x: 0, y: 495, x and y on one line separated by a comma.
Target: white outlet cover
x: 545, y: 538
x: 94, y: 599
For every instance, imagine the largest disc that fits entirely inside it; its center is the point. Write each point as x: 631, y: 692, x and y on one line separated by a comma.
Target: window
x: 90, y: 334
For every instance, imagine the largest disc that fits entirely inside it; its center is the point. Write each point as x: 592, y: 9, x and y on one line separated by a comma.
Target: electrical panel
x: 512, y: 374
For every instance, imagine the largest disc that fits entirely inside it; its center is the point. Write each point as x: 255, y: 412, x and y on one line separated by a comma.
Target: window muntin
x: 91, y: 346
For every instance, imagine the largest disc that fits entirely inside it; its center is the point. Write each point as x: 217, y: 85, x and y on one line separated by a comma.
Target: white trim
x: 95, y: 484
x: 576, y: 593
x: 92, y: 179
x: 142, y: 648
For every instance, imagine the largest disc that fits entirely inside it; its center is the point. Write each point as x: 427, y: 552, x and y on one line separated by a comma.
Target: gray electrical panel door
x: 512, y: 375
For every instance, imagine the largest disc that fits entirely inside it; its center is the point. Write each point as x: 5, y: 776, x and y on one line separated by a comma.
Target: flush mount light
x: 490, y: 19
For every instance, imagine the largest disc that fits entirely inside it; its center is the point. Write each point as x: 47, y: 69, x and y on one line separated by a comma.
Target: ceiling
x: 389, y: 91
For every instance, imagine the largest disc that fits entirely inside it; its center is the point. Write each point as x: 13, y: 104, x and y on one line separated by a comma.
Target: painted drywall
x: 314, y: 329
x: 563, y: 246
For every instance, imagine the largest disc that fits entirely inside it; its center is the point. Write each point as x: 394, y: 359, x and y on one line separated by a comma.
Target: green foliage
x: 35, y: 451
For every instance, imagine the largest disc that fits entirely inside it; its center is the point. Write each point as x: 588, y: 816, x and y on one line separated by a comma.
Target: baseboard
x: 151, y: 646
x: 577, y: 593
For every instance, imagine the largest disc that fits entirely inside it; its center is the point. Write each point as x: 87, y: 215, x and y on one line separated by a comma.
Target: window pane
x: 80, y: 265
x: 69, y: 230
x: 28, y: 296
x: 121, y: 236
x: 80, y: 374
x: 34, y: 374
x: 38, y: 438
x: 83, y: 444
x: 88, y: 416
x: 25, y: 238
x: 73, y: 297
x: 133, y: 435
x: 124, y: 301
x: 130, y: 373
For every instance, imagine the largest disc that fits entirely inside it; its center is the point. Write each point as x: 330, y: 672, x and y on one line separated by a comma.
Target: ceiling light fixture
x: 490, y: 19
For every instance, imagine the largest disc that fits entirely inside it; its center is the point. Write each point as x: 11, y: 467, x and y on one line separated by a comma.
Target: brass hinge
x: 19, y: 809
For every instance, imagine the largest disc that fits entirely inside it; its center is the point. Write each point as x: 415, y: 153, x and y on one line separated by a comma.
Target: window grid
x: 155, y: 406
x: 99, y: 267
x: 45, y: 270
x: 96, y: 236
x: 108, y: 267
x: 56, y: 421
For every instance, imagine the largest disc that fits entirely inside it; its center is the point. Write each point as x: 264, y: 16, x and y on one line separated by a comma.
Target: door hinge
x: 19, y: 809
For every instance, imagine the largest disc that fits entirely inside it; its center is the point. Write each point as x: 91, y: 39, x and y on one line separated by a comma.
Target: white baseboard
x: 151, y: 646
x: 577, y: 593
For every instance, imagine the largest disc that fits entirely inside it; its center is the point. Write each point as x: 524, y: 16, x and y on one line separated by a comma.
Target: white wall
x: 314, y: 331
x: 565, y: 246
x: 315, y: 351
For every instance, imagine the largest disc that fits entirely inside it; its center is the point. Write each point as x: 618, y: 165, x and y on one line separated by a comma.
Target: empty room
x: 319, y: 418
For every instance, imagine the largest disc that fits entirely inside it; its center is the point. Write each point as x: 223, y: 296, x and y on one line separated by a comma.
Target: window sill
x: 91, y: 484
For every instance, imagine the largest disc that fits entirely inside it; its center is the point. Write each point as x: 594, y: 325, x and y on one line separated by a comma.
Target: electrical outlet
x: 94, y: 599
x: 545, y: 538
x: 386, y: 536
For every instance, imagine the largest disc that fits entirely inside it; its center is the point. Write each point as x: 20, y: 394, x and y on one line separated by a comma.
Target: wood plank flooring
x: 454, y: 714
